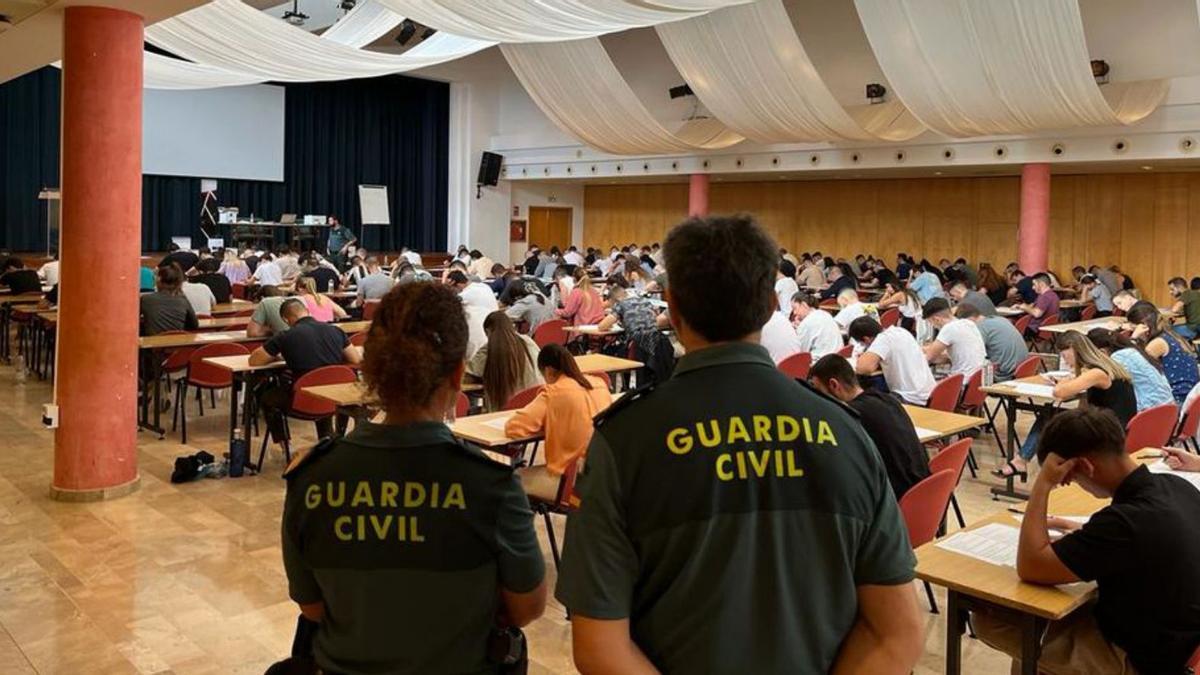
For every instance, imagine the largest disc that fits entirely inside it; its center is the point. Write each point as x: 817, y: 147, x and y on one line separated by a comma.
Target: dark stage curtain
x: 391, y: 131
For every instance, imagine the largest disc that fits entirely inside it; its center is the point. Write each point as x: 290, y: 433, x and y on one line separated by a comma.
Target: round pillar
x: 698, y: 195
x: 1033, y: 234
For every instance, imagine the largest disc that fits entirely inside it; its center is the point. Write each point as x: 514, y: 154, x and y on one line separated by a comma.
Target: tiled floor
x: 187, y: 578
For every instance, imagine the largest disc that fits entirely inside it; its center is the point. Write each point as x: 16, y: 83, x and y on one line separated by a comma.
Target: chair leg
x: 262, y: 451
x: 175, y: 414
x: 933, y: 608
x: 212, y: 398
x: 972, y: 464
x: 957, y: 512
x: 550, y: 534
x: 183, y: 412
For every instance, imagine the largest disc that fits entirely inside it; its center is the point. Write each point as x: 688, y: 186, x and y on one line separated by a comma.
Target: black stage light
x: 876, y: 92
x: 680, y: 91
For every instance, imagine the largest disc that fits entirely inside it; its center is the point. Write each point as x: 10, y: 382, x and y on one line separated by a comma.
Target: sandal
x: 1010, y: 470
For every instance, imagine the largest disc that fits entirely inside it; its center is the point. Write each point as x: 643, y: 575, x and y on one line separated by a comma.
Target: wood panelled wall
x: 1149, y: 224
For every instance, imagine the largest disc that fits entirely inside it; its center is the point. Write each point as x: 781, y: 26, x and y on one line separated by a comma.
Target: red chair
x: 953, y: 457
x: 923, y: 508
x: 890, y: 318
x: 203, y: 376
x: 524, y: 397
x: 1046, y: 337
x: 359, y: 339
x: 974, y: 402
x: 244, y: 312
x: 237, y: 291
x: 846, y: 352
x: 1022, y: 324
x: 1189, y: 426
x: 552, y: 332
x: 1028, y: 368
x: 797, y: 366
x: 305, y: 406
x: 1193, y: 664
x: 462, y: 405
x: 369, y: 308
x: 1151, y: 428
x: 946, y: 393
x: 1088, y: 313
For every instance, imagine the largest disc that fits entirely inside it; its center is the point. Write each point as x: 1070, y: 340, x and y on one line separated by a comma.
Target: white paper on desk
x: 923, y: 433
x: 588, y: 326
x: 993, y: 543
x: 1030, y: 389
x: 211, y: 337
x: 497, y: 423
x: 1057, y: 374
x: 1190, y: 476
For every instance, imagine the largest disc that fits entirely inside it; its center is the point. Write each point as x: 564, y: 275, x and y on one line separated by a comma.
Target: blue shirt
x: 1150, y: 386
x: 927, y: 287
x: 146, y: 279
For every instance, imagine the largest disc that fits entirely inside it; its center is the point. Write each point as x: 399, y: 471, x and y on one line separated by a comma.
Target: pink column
x: 1033, y: 235
x: 95, y: 446
x: 698, y: 195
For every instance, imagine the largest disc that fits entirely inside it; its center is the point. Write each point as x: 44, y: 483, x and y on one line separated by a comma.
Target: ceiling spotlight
x: 407, y: 30
x: 876, y: 92
x: 680, y: 91
x: 1100, y: 70
x: 294, y: 16
x: 347, y: 5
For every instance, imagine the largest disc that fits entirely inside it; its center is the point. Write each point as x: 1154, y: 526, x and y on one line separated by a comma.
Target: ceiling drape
x: 982, y: 67
x: 749, y: 68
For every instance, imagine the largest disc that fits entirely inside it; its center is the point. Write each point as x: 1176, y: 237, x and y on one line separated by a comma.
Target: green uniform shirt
x: 1191, y: 307
x: 729, y: 515
x: 407, y: 536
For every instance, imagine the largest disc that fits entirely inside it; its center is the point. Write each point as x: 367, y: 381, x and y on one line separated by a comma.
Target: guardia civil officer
x: 405, y: 545
x: 732, y: 519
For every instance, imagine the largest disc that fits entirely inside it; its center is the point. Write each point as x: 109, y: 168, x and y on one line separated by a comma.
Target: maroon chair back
x: 307, y: 405
x: 846, y: 352
x: 369, y: 309
x: 1022, y: 324
x: 924, y: 505
x: 244, y: 312
x: 359, y: 339
x: 201, y: 374
x: 953, y: 457
x: 552, y: 332
x: 1151, y: 428
x: 1027, y: 368
x: 797, y: 366
x: 1194, y: 662
x: 946, y: 393
x: 524, y: 397
x: 1046, y: 335
x: 177, y: 359
x: 973, y: 396
x: 462, y: 405
x: 604, y: 377
x: 1189, y: 426
x: 1088, y: 313
x: 890, y: 318
x: 237, y: 291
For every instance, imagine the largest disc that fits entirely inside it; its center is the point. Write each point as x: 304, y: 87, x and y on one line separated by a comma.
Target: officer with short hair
x: 731, y: 519
x: 412, y: 551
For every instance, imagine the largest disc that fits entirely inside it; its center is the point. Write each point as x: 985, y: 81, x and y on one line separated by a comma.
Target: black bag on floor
x: 188, y: 468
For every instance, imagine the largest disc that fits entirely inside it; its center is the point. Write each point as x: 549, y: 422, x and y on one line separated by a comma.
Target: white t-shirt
x: 819, y: 334
x: 779, y: 338
x: 413, y: 258
x: 964, y: 344
x: 479, y: 295
x: 903, y: 364
x: 268, y: 273
x: 573, y: 258
x: 200, y: 297
x: 49, y: 273
x: 850, y: 312
x: 786, y: 289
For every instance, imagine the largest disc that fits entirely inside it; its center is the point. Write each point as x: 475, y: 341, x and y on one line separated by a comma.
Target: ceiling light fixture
x: 294, y: 16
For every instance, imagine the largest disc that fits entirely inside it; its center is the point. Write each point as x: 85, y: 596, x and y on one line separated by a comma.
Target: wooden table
x: 239, y: 367
x: 1012, y: 400
x: 603, y: 363
x: 934, y: 425
x: 975, y: 584
x: 1111, y: 323
x: 232, y: 307
x: 224, y: 322
x: 594, y: 331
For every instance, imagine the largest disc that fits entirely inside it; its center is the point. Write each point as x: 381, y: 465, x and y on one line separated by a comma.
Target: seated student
x: 1090, y: 289
x: 167, y: 308
x: 811, y: 278
x: 818, y: 332
x: 1142, y: 551
x: 992, y: 284
x: 326, y: 279
x: 473, y: 293
x: 962, y: 294
x: 266, y: 319
x: 1104, y: 383
x: 480, y: 265
x: 1020, y: 290
x: 927, y: 283
x: 268, y: 272
x: 319, y: 306
x: 563, y: 413
x: 251, y: 258
x: 499, y: 279
x: 200, y: 296
x: 1003, y: 343
x: 234, y: 269
x: 642, y: 326
x: 182, y: 257
x: 288, y: 262
x: 958, y: 340
x: 18, y: 278
x: 1106, y: 277
x: 904, y: 299
x: 1187, y: 305
x: 506, y: 363
x: 582, y: 305
x: 48, y: 272
x: 1150, y: 385
x: 1044, y: 306
x: 839, y: 280
x: 1176, y: 354
x: 548, y: 261
x: 525, y: 303
x: 307, y: 345
x: 852, y: 308
x: 351, y: 586
x: 780, y: 338
x: 785, y: 285
x: 1124, y: 301
x: 222, y: 290
x: 882, y: 416
x: 357, y: 271
x: 375, y: 284
x: 896, y: 352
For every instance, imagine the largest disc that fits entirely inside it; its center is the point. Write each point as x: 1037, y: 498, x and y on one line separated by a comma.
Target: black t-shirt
x: 1025, y: 290
x: 1119, y: 398
x: 251, y: 262
x: 219, y: 284
x: 327, y: 280
x: 308, y: 345
x: 1143, y: 551
x: 185, y: 259
x: 838, y: 286
x: 162, y: 312
x: 22, y: 281
x: 895, y: 438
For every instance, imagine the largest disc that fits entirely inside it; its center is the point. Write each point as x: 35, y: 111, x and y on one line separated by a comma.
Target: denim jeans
x: 1029, y: 447
x: 1186, y: 332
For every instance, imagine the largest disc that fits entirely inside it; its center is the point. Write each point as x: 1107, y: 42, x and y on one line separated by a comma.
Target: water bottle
x: 237, y: 454
x: 989, y: 373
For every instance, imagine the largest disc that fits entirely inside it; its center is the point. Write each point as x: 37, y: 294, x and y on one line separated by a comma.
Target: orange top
x: 564, y: 411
